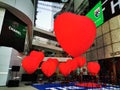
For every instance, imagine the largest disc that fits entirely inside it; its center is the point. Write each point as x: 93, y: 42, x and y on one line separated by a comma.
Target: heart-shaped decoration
x: 49, y: 67
x: 73, y: 65
x: 80, y: 61
x: 32, y: 62
x: 93, y: 67
x: 74, y: 33
x: 36, y: 54
x: 64, y: 69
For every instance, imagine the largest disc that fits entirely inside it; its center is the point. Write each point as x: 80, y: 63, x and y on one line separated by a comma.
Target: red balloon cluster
x: 71, y: 64
x: 93, y: 68
x: 31, y: 63
x: 49, y: 67
x: 74, y: 33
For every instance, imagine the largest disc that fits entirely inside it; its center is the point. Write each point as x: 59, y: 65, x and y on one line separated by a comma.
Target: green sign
x: 96, y: 14
x: 17, y: 28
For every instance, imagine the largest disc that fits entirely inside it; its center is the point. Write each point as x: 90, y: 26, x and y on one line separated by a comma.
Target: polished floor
x: 22, y: 86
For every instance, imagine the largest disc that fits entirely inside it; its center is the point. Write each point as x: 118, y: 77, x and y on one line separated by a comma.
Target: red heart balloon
x: 64, y: 69
x: 74, y: 33
x: 37, y: 54
x: 93, y: 67
x: 80, y: 61
x: 49, y: 67
x: 54, y: 60
x: 30, y: 64
x: 72, y: 64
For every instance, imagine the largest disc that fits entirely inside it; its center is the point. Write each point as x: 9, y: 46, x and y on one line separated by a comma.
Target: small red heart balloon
x: 30, y: 64
x: 64, y: 69
x: 49, y: 67
x: 80, y: 61
x: 72, y: 64
x: 93, y: 67
x: 37, y: 54
x: 74, y: 33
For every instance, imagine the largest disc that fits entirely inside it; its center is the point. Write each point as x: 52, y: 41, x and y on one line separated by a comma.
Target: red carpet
x: 89, y: 84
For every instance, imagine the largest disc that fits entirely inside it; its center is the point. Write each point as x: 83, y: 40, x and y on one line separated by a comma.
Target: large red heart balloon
x: 93, y: 67
x: 74, y: 33
x: 49, y: 67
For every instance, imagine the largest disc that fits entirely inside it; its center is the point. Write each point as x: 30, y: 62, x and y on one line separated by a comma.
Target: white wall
x: 5, y: 56
x: 2, y: 14
x: 15, y: 61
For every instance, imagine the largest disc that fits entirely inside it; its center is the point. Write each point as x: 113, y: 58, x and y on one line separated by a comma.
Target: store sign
x: 111, y: 8
x: 18, y: 29
x: 104, y: 10
x: 115, y: 53
x: 96, y: 14
x: 13, y: 34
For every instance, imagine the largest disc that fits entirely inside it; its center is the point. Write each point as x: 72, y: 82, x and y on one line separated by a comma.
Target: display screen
x: 13, y: 32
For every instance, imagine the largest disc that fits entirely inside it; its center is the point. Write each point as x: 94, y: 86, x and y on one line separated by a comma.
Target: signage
x: 104, y: 10
x: 17, y: 28
x: 96, y: 14
x: 13, y: 34
x: 111, y: 8
x: 64, y: 88
x: 115, y: 53
x: 57, y: 86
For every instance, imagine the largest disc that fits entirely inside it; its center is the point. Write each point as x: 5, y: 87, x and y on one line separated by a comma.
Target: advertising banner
x: 96, y: 14
x: 104, y: 10
x: 13, y: 34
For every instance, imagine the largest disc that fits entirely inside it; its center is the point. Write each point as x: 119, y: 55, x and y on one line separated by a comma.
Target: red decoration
x: 37, y: 54
x: 72, y: 64
x: 32, y: 62
x: 74, y: 33
x: 49, y: 67
x: 89, y: 85
x: 93, y: 67
x: 64, y: 69
x: 80, y: 61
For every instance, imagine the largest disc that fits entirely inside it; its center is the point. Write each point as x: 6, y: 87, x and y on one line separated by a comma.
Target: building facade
x: 16, y: 21
x: 106, y: 46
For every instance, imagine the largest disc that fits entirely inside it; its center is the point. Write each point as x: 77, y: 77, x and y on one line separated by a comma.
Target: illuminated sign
x: 111, y: 8
x: 17, y: 28
x: 96, y: 14
x: 104, y: 10
x: 13, y: 32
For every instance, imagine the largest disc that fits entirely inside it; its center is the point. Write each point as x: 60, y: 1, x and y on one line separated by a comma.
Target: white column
x: 2, y: 14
